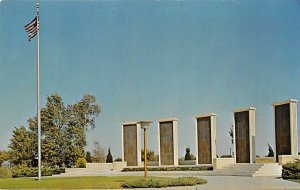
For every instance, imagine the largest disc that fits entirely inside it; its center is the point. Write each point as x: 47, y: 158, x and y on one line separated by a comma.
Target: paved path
x: 219, y: 182
x: 240, y: 183
x: 246, y: 183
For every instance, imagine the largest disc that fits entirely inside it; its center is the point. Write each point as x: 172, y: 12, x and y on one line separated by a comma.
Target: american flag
x: 32, y: 28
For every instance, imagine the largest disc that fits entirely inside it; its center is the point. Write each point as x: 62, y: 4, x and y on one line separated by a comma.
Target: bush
x: 291, y: 170
x: 161, y: 182
x: 226, y: 156
x: 33, y: 172
x: 5, y: 172
x: 118, y: 160
x: 81, y: 163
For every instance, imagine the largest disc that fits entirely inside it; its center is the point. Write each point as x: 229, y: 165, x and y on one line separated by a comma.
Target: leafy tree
x: 193, y: 157
x: 63, y: 132
x: 4, y: 156
x: 53, y: 123
x: 188, y: 154
x: 81, y: 117
x: 98, y: 153
x: 150, y: 155
x: 88, y: 157
x: 271, y: 152
x: 109, y: 157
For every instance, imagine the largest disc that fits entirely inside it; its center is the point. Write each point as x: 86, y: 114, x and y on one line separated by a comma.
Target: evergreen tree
x: 188, y: 154
x: 109, y: 157
x: 231, y: 134
x: 21, y: 147
x: 271, y: 152
x: 88, y: 157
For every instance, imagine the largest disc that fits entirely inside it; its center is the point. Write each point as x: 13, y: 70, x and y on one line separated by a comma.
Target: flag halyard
x: 32, y: 28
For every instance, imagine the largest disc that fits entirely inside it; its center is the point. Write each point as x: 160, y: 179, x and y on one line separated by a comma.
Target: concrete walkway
x: 240, y: 183
x: 218, y: 182
x: 246, y: 183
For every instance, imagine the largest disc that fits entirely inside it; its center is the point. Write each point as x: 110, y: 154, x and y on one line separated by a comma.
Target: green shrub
x: 33, y: 172
x: 161, y: 182
x: 118, y: 160
x: 81, y: 163
x: 291, y: 170
x: 226, y: 156
x: 5, y: 172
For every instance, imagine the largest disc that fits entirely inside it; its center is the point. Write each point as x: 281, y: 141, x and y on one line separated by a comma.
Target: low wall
x: 152, y: 163
x: 284, y: 159
x: 118, y: 166
x: 219, y: 163
x: 187, y: 162
x: 115, y: 166
x: 265, y: 160
x: 101, y: 166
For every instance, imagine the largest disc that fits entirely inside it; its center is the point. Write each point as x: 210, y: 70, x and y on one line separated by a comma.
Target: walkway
x: 219, y: 182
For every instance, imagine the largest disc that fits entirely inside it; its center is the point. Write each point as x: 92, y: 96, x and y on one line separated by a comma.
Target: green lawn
x: 296, y: 180
x: 69, y: 183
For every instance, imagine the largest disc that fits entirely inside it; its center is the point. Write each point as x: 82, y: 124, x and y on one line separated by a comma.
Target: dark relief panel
x: 282, y: 130
x: 130, y: 144
x: 166, y: 143
x: 204, y: 140
x: 242, y: 140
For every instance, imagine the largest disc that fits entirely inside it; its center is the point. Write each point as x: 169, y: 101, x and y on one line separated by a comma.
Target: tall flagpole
x: 38, y: 89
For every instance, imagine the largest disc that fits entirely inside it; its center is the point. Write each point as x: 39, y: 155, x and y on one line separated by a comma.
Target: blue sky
x: 152, y: 60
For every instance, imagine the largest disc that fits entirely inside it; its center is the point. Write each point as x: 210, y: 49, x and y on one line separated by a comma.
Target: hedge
x: 33, y: 172
x: 161, y: 182
x: 291, y: 170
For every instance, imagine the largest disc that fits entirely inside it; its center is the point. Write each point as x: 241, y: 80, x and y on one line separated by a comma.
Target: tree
x: 271, y: 152
x: 81, y: 117
x: 109, y: 157
x: 231, y: 134
x: 53, y: 122
x: 231, y: 137
x: 88, y: 157
x: 188, y: 154
x: 63, y: 132
x: 4, y: 156
x: 150, y: 155
x: 21, y: 150
x: 98, y: 153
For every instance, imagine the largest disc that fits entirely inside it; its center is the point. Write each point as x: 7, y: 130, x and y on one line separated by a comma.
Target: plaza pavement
x: 239, y: 183
x: 218, y: 182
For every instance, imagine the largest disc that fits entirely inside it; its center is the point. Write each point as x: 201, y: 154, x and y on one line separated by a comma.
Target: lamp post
x: 145, y: 125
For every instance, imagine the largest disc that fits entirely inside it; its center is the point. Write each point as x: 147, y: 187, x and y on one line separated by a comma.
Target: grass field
x: 69, y: 183
x: 296, y: 180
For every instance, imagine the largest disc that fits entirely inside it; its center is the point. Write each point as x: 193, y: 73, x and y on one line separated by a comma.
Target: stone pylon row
x: 286, y: 137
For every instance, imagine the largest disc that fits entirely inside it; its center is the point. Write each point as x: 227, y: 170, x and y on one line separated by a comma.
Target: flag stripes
x: 32, y: 28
